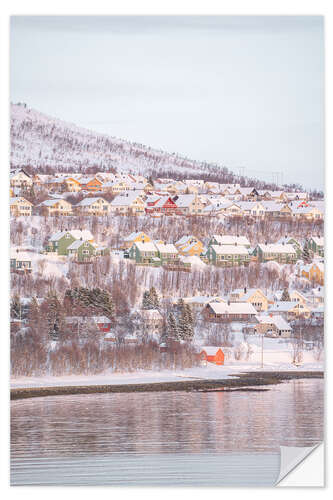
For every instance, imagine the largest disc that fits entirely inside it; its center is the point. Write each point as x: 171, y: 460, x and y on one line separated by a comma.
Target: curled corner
x: 290, y: 457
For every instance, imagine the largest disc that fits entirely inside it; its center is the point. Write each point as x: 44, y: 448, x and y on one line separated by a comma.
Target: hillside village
x: 128, y: 271
x: 76, y: 214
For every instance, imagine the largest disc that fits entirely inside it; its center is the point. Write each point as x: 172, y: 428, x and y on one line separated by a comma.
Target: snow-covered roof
x: 184, y: 200
x: 85, y: 234
x: 166, y: 248
x: 133, y: 235
x: 76, y: 244
x: 227, y: 239
x: 19, y: 255
x: 149, y: 246
x: 283, y: 306
x: 278, y: 321
x: 233, y: 308
x: 186, y: 239
x: 230, y: 249
x: 125, y: 199
x: 89, y: 201
x: 18, y: 199
x: 277, y: 248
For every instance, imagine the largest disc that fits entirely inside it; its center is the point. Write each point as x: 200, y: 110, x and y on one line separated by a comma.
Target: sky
x: 243, y: 92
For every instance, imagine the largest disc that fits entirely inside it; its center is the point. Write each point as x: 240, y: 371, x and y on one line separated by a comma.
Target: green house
x: 316, y: 245
x: 279, y: 252
x: 61, y: 240
x: 228, y: 255
x: 145, y: 253
x: 82, y: 250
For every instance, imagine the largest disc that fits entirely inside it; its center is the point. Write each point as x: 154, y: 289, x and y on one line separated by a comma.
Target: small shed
x: 212, y: 354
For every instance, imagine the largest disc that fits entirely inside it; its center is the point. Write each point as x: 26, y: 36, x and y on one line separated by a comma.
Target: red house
x: 164, y: 205
x: 212, y: 354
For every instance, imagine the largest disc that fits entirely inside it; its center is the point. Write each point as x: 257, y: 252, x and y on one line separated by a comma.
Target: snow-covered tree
x: 285, y: 295
x: 172, y: 327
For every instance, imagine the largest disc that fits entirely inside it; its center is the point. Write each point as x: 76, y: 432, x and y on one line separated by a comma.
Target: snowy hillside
x: 41, y: 142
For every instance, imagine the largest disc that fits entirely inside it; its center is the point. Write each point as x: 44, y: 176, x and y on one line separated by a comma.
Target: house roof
x: 166, y: 248
x: 278, y: 321
x: 277, y: 248
x: 145, y: 247
x: 85, y: 234
x: 18, y: 199
x: 232, y: 308
x: 230, y: 249
x: 210, y: 350
x: 77, y: 244
x: 125, y: 199
x: 89, y: 201
x: 133, y: 235
x: 184, y: 200
x: 227, y: 239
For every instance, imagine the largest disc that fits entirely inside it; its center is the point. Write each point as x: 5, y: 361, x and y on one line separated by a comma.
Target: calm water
x: 167, y: 438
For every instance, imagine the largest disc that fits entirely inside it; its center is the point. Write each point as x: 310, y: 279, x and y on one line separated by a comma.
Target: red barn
x: 212, y: 354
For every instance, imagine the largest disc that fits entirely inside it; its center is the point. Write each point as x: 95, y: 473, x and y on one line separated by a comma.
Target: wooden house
x: 61, y: 240
x: 19, y: 206
x: 54, y: 207
x: 230, y: 311
x: 134, y: 237
x: 145, y: 253
x: 252, y: 295
x: 228, y: 255
x: 92, y: 206
x: 285, y: 254
x: 211, y: 354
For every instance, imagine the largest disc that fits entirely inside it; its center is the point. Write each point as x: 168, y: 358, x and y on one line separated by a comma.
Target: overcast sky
x: 238, y: 91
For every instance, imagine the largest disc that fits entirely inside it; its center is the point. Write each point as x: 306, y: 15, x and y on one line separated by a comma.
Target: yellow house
x: 189, y: 246
x: 92, y: 206
x: 253, y: 296
x: 313, y: 272
x: 20, y: 179
x: 20, y: 206
x: 55, y: 207
x: 72, y: 185
x: 134, y: 238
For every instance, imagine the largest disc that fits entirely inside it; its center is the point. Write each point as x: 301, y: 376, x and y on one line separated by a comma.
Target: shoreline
x: 241, y: 381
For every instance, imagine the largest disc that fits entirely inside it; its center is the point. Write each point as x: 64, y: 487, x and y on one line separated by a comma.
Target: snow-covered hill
x: 40, y: 141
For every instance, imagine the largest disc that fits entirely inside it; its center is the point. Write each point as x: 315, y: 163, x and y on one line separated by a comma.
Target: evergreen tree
x: 146, y: 303
x: 172, y: 328
x: 185, y: 324
x: 306, y: 253
x: 154, y: 300
x: 54, y: 315
x: 285, y: 295
x: 15, y: 308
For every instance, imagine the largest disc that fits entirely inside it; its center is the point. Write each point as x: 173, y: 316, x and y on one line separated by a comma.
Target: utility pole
x: 262, y: 350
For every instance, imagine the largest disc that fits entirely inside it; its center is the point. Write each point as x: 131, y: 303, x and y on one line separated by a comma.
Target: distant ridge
x: 45, y: 144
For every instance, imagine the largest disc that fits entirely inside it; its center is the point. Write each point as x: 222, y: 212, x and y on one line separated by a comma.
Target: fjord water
x: 163, y: 438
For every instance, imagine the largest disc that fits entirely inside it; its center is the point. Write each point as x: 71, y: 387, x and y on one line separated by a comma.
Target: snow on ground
x: 272, y: 362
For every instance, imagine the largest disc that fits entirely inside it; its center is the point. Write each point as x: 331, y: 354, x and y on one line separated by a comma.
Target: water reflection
x: 290, y: 414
